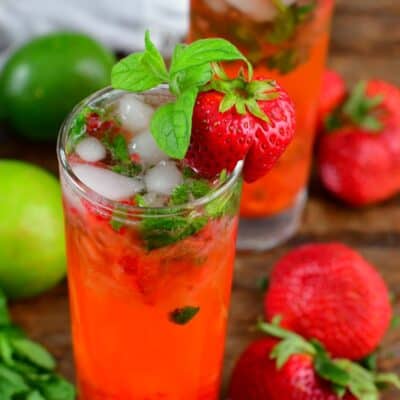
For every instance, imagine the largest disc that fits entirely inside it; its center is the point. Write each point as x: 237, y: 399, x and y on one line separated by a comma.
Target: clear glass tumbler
x: 147, y: 323
x: 286, y: 40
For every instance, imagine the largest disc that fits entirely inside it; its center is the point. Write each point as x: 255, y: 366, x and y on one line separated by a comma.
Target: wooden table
x: 366, y: 42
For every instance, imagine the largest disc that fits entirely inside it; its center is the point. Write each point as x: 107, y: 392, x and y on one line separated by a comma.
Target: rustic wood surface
x: 366, y: 42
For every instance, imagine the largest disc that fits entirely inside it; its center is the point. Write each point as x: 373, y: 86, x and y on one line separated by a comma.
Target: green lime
x: 43, y: 80
x: 32, y: 254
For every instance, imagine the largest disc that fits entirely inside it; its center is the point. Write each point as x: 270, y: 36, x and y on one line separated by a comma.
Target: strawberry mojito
x: 151, y: 218
x: 286, y: 40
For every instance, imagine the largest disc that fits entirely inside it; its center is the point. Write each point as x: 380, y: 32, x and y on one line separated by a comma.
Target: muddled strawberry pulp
x: 150, y: 260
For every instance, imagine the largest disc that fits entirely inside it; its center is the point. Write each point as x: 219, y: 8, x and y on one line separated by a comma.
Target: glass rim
x: 108, y: 205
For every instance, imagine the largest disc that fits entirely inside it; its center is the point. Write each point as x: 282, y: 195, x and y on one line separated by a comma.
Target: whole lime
x: 32, y: 252
x: 43, y: 80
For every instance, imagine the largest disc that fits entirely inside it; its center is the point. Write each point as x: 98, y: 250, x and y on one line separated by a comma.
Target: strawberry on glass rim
x: 215, y: 121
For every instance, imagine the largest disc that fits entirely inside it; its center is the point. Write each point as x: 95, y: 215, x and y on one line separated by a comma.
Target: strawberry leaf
x: 387, y: 378
x: 359, y: 108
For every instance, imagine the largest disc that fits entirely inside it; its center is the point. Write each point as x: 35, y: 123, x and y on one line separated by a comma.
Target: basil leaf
x: 171, y: 125
x: 33, y: 352
x: 206, y: 51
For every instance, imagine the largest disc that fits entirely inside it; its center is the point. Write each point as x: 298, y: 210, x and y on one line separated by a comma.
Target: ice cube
x: 135, y: 115
x: 155, y: 199
x: 90, y: 149
x: 163, y: 178
x: 146, y: 147
x: 258, y: 10
x: 107, y: 183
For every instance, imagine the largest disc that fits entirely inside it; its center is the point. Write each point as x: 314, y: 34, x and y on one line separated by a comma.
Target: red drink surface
x: 279, y: 189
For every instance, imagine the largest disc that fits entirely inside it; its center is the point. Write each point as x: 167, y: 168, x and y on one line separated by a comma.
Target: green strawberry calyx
x: 193, y: 68
x: 242, y: 94
x: 343, y: 374
x: 359, y: 109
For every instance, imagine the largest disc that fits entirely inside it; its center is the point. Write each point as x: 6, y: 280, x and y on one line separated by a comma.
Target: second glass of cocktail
x: 286, y: 40
x: 151, y: 231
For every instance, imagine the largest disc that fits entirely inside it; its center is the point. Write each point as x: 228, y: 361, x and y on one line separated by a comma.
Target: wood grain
x: 365, y: 43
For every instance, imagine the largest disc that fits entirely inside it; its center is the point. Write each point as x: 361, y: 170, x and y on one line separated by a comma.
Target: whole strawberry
x: 239, y: 120
x: 330, y: 293
x: 285, y: 366
x: 256, y: 377
x: 333, y: 92
x: 359, y: 159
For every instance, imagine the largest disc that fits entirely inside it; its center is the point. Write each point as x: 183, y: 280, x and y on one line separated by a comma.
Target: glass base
x: 265, y: 233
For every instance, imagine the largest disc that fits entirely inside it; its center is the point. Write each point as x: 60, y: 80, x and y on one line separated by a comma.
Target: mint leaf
x: 134, y: 73
x: 171, y: 125
x: 158, y: 231
x: 182, y: 316
x: 56, y: 388
x: 4, y: 315
x: 180, y: 195
x: 154, y: 60
x: 35, y: 395
x: 78, y: 128
x: 118, y: 148
x: 188, y: 78
x: 33, y: 352
x: 206, y: 51
x: 200, y: 188
x: 140, y: 201
x: 130, y: 169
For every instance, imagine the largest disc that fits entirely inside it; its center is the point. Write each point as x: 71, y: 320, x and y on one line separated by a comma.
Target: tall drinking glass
x: 149, y: 308
x: 286, y: 40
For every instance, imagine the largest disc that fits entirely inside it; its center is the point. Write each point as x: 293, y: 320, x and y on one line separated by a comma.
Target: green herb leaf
x: 35, y: 395
x: 56, y: 388
x: 171, y: 125
x: 154, y: 60
x: 140, y: 200
x: 33, y: 352
x: 284, y: 61
x: 189, y: 78
x: 182, y: 316
x: 180, y: 195
x: 161, y: 231
x: 78, y: 128
x: 130, y: 169
x: 206, y: 51
x: 4, y: 315
x: 200, y: 188
x: 131, y: 73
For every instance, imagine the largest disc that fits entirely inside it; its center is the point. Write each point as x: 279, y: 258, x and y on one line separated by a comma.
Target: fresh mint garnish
x: 140, y: 201
x: 118, y: 149
x: 158, y: 231
x: 180, y: 195
x: 26, y: 368
x: 78, y: 128
x: 182, y: 316
x: 190, y: 71
x: 171, y: 124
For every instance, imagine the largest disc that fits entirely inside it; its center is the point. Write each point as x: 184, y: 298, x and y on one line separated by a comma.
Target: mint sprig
x: 181, y: 316
x: 344, y: 375
x: 26, y: 368
x: 190, y: 71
